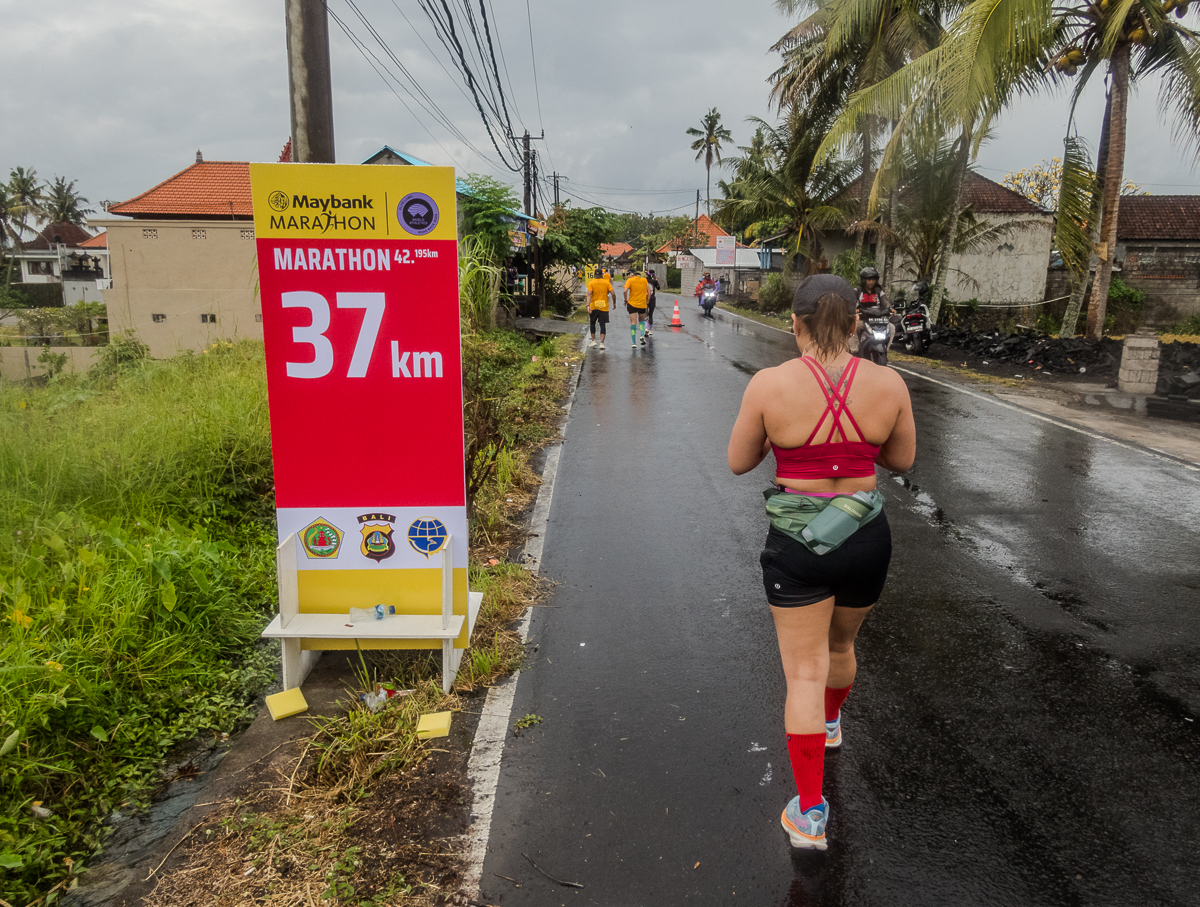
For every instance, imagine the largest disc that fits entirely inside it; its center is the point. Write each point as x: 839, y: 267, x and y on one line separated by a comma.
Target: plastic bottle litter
x: 385, y: 691
x: 379, y: 612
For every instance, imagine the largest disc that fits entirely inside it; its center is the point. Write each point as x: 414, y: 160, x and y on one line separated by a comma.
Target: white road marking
x: 1146, y: 451
x: 483, y: 768
x: 1061, y: 424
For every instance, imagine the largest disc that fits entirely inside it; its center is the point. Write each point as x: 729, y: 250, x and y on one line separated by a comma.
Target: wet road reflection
x: 1022, y: 729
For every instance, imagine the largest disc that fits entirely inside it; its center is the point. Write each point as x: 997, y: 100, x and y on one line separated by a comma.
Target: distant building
x: 617, y: 253
x: 1010, y: 270
x: 69, y: 255
x: 702, y: 227
x: 1158, y: 251
x: 184, y: 271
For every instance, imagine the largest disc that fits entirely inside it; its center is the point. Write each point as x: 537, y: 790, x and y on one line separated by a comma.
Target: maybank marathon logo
x: 329, y: 213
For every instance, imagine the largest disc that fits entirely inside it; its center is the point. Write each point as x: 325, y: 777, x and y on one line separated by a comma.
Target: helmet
x: 867, y: 273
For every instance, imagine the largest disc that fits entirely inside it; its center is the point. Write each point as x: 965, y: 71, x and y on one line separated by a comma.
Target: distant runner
x: 651, y: 279
x: 829, y: 418
x: 637, y: 297
x: 599, y: 289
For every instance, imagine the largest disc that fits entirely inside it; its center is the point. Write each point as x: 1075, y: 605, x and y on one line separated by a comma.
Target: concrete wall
x: 19, y: 363
x: 182, y: 270
x: 1010, y: 270
x: 1169, y: 274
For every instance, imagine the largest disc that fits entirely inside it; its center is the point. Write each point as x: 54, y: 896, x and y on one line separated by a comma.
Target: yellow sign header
x: 353, y: 201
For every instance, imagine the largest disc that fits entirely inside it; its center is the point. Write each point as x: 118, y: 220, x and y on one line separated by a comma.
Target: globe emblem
x: 427, y: 535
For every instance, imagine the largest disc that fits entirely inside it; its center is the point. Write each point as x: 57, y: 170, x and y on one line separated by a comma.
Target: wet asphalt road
x: 1022, y: 729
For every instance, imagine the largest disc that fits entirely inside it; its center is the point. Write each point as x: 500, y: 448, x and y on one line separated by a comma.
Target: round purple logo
x: 417, y: 213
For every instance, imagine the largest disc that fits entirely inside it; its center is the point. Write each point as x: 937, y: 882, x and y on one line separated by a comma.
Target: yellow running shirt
x: 638, y: 289
x: 598, y: 290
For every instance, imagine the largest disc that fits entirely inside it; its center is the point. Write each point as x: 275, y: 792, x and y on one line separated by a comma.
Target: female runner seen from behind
x: 829, y: 418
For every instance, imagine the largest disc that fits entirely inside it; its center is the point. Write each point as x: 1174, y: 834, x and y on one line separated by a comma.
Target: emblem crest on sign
x: 321, y: 539
x: 377, y: 541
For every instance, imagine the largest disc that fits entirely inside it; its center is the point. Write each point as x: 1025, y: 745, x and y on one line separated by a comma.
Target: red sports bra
x: 830, y: 459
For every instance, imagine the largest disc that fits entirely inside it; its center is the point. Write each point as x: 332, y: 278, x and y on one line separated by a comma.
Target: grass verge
x: 137, y: 569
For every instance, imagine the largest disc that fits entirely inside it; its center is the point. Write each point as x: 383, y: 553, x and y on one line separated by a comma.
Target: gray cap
x: 804, y: 302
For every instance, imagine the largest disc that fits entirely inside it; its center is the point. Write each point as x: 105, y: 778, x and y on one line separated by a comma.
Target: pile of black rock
x: 1179, y: 370
x: 1037, y: 352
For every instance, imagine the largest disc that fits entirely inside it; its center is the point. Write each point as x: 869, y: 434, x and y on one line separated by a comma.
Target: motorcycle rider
x: 873, y: 301
x: 705, y: 283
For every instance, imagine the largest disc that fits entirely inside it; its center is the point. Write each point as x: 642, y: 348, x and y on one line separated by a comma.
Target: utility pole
x: 525, y: 171
x: 533, y: 180
x: 555, y: 190
x: 309, y: 87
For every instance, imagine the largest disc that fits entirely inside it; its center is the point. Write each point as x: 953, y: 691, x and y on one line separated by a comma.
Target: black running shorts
x: 598, y: 316
x: 852, y: 575
x: 634, y: 309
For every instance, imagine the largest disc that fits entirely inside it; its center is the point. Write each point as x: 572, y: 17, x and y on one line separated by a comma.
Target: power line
x: 446, y: 33
x: 536, y: 90
x: 436, y: 112
x: 504, y: 63
x: 383, y: 74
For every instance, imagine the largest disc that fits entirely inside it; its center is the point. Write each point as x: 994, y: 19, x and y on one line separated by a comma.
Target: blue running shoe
x: 833, y: 733
x: 806, y: 830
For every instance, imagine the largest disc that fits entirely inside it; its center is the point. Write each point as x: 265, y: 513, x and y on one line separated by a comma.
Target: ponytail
x: 829, y: 326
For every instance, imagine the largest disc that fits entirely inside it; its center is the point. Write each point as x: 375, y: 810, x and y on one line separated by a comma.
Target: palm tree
x: 709, y: 137
x: 848, y: 45
x: 1129, y: 39
x: 1000, y: 47
x: 63, y: 205
x: 23, y: 202
x: 992, y: 51
x: 781, y: 189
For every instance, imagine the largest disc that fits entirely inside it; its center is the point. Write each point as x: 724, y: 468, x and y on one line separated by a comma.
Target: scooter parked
x: 917, y: 328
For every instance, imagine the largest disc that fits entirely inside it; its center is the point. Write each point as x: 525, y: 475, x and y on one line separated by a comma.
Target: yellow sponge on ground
x: 288, y: 703
x: 435, y: 724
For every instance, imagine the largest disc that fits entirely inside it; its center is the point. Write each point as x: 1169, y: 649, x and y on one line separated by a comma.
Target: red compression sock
x: 807, y: 752
x: 833, y: 701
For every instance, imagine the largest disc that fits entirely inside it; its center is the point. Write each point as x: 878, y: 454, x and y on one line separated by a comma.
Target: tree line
x: 883, y: 105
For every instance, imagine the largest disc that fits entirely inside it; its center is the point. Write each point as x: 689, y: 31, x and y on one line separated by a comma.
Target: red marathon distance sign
x: 358, y: 273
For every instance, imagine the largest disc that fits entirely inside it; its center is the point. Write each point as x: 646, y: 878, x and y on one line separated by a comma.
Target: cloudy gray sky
x: 120, y: 95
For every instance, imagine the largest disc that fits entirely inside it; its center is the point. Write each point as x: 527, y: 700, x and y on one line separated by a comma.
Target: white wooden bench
x: 292, y: 627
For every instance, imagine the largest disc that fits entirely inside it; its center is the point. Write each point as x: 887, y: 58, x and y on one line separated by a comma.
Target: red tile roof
x: 705, y: 227
x: 1168, y: 217
x: 984, y: 195
x: 205, y: 190
x: 67, y: 234
x: 615, y: 249
x: 96, y: 242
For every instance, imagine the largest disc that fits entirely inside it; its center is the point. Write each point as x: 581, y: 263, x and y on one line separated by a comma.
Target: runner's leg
x: 803, y: 635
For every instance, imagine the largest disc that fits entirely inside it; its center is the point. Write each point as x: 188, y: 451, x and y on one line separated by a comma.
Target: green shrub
x: 1125, y: 304
x: 1190, y: 325
x: 136, y: 570
x: 674, y: 277
x: 849, y: 263
x: 774, y: 295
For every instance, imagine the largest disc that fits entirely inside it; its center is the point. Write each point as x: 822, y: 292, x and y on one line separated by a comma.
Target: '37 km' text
x: 407, y: 364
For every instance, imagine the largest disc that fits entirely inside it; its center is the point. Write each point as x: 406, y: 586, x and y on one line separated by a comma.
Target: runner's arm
x: 748, y: 443
x: 900, y: 449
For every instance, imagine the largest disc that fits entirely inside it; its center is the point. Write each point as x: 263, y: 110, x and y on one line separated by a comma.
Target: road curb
x: 487, y: 750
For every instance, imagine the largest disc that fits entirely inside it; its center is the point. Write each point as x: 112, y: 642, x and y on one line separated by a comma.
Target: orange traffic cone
x: 675, y: 322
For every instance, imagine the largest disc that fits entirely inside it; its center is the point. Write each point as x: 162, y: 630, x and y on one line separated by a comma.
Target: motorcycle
x: 918, y: 332
x: 708, y: 299
x: 874, y: 336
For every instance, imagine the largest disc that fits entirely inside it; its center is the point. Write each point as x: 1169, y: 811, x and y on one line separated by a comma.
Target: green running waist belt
x: 821, y: 524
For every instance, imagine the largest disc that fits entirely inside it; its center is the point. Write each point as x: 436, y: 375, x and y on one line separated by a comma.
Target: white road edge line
x: 1166, y: 458
x: 487, y: 752
x: 1149, y: 452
